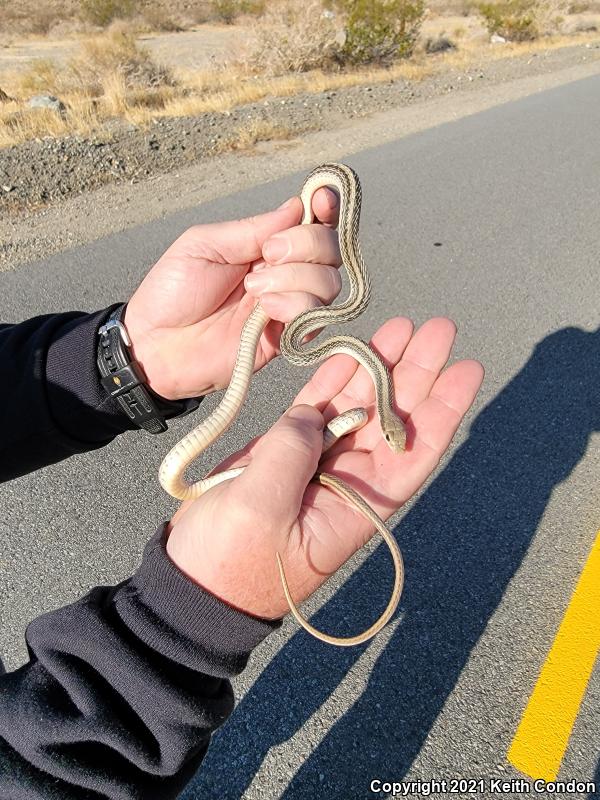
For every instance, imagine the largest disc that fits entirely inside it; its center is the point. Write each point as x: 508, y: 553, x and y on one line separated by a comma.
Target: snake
x: 292, y: 346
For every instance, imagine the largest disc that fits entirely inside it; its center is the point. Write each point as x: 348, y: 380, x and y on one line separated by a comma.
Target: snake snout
x: 396, y: 439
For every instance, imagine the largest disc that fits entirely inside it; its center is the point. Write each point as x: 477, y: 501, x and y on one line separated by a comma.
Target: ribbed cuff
x: 173, y: 601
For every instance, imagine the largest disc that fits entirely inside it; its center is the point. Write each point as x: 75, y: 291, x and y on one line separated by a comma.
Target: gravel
x: 41, y: 172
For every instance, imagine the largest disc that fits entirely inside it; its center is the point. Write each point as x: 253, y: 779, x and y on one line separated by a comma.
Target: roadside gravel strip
x: 53, y: 174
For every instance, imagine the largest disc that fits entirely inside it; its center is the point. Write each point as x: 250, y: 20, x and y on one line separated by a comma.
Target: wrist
x: 251, y: 587
x: 125, y: 381
x: 148, y: 353
x: 180, y: 605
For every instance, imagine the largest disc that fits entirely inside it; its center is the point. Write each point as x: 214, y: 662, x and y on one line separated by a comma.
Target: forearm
x: 123, y: 689
x: 52, y: 404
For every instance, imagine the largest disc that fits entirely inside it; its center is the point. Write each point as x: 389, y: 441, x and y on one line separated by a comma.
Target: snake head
x: 395, y: 436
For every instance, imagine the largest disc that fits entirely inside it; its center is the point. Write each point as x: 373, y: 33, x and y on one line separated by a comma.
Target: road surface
x: 492, y: 220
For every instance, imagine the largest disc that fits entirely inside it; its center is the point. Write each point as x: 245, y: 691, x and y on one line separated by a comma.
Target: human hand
x: 227, y: 540
x: 185, y: 318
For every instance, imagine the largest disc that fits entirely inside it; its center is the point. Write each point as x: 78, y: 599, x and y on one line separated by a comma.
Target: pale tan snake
x: 172, y: 469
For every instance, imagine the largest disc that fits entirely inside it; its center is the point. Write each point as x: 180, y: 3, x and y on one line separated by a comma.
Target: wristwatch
x: 124, y: 379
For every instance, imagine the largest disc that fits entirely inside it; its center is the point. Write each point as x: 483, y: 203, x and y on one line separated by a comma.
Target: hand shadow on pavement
x: 462, y: 541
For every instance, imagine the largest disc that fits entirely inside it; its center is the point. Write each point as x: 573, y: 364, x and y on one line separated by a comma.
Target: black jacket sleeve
x: 52, y: 403
x: 124, y: 687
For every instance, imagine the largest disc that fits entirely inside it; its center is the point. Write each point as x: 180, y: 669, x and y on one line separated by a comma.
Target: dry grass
x: 110, y: 77
x: 21, y: 125
x: 113, y: 77
x: 98, y: 58
x: 221, y: 91
x: 259, y: 131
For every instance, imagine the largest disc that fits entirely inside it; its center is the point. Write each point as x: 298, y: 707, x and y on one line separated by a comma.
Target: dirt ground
x: 181, y: 184
x: 192, y: 49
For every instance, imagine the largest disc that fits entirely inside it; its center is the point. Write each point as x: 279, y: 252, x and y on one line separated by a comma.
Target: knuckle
x: 335, y: 282
x: 313, y: 240
x: 296, y: 277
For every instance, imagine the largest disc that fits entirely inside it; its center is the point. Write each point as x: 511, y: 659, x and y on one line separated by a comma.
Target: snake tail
x: 343, y: 490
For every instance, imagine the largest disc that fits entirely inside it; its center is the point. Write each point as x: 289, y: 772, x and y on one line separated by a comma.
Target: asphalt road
x: 495, y: 542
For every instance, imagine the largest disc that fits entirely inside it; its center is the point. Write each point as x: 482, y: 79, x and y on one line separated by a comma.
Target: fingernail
x: 256, y: 283
x: 307, y: 414
x: 287, y: 203
x: 276, y: 248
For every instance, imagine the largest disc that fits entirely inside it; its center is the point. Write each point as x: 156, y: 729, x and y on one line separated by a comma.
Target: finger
x: 319, y: 280
x: 437, y: 417
x: 315, y: 244
x: 241, y: 241
x: 326, y: 206
x: 283, y: 462
x: 431, y: 426
x: 286, y: 307
x: 329, y: 385
x: 425, y: 356
x: 360, y: 390
x: 387, y: 480
x: 413, y: 375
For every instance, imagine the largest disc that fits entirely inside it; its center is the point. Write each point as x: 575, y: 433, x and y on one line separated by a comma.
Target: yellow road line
x: 543, y: 733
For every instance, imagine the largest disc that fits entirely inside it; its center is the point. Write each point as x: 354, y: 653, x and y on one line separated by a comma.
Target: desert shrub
x: 225, y: 10
x: 44, y: 19
x: 228, y: 11
x: 524, y: 20
x: 117, y: 52
x: 380, y: 31
x: 515, y: 20
x: 23, y: 17
x: 550, y: 15
x: 439, y: 45
x: 103, y: 12
x: 42, y: 76
x: 450, y: 8
x: 89, y: 72
x: 157, y: 19
x: 293, y: 38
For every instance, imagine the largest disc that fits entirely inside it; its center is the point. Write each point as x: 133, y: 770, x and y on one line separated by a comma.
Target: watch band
x: 124, y: 379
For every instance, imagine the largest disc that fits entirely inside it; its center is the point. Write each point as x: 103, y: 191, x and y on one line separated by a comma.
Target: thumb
x: 282, y: 465
x: 240, y: 241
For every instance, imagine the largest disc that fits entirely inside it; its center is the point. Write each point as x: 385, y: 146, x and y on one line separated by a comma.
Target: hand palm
x: 199, y: 305
x: 319, y: 531
x: 186, y: 316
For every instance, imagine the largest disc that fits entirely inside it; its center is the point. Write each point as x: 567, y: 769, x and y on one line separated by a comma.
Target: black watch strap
x: 124, y: 379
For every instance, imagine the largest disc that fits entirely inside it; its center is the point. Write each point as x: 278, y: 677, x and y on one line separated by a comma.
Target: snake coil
x: 172, y: 469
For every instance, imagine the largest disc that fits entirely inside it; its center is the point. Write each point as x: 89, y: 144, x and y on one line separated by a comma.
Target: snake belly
x: 173, y: 467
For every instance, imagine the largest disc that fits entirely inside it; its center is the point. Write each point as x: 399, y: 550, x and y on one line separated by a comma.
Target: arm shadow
x: 463, y: 540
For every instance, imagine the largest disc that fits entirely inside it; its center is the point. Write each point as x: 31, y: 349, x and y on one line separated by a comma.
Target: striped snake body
x: 172, y: 469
